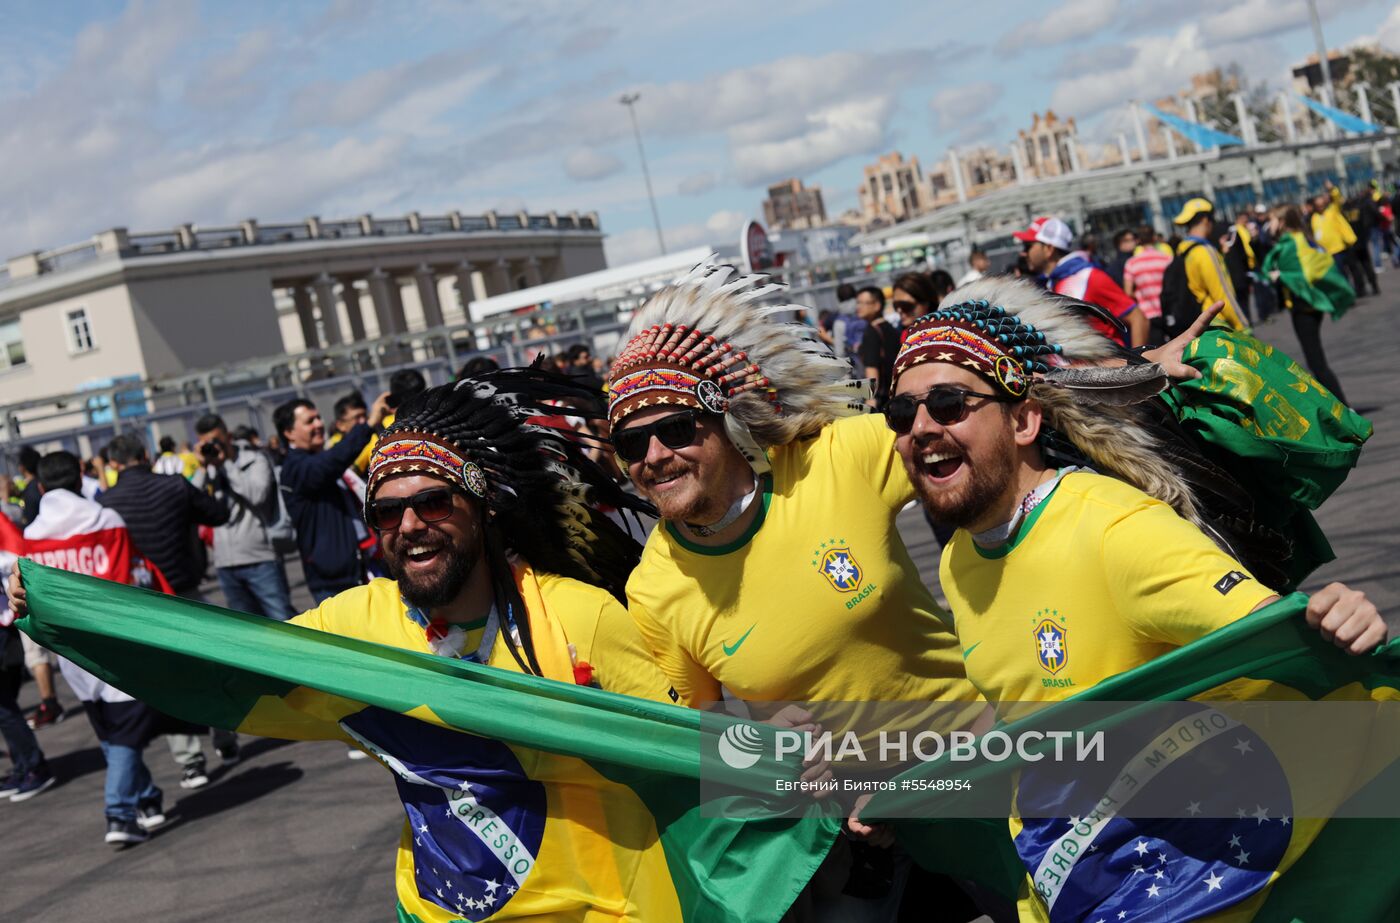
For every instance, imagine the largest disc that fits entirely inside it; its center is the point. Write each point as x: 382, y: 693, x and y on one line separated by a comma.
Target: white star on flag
x: 510, y: 889
x: 423, y: 829
x: 1141, y: 848
x: 1235, y: 840
x: 1193, y: 808
x: 1153, y: 890
x: 1241, y: 813
x: 1260, y: 814
x: 1283, y: 820
x: 1122, y: 914
x: 1243, y: 746
x: 1159, y: 874
x: 1162, y: 857
x: 1212, y: 883
x: 465, y: 786
x: 1136, y: 869
x: 1242, y: 857
x: 492, y: 885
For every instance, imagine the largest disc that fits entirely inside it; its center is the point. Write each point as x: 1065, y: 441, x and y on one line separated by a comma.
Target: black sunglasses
x: 433, y: 505
x: 674, y: 432
x: 945, y: 404
x: 903, y: 306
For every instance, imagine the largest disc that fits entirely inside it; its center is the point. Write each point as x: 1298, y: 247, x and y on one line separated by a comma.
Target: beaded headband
x: 424, y: 453
x: 983, y: 337
x: 683, y: 367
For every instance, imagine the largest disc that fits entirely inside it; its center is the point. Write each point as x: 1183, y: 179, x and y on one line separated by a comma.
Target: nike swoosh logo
x: 970, y: 650
x: 729, y: 651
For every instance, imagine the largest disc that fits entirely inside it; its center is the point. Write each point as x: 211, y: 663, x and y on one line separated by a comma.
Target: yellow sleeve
x: 362, y: 460
x: 620, y: 659
x: 692, y: 683
x: 863, y: 446
x: 1185, y: 588
x: 1206, y: 272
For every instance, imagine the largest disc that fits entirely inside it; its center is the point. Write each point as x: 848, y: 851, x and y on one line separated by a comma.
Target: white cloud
x: 1161, y: 65
x: 588, y: 163
x: 722, y: 227
x: 1388, y: 35
x: 696, y: 184
x: 831, y: 134
x: 956, y: 103
x: 223, y: 79
x: 1254, y: 19
x: 1073, y: 20
x: 403, y: 96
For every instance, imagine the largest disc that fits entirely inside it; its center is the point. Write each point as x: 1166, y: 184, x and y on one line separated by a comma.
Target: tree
x: 1378, y: 69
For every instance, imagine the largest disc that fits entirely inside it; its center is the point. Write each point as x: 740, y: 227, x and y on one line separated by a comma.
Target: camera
x: 211, y: 451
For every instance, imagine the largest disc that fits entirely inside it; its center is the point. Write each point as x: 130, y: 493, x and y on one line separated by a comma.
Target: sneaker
x: 46, y: 714
x: 33, y: 783
x: 194, y: 775
x: 150, y: 816
x: 11, y: 783
x: 125, y: 832
x: 228, y: 754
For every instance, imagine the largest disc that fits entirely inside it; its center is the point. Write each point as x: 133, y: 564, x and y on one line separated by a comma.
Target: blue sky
x: 148, y: 114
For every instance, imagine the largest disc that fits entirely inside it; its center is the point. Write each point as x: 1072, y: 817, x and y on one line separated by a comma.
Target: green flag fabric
x: 617, y: 773
x: 1295, y: 870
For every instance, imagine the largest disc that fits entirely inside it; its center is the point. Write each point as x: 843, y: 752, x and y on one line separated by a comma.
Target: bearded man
x: 1124, y: 560
x: 497, y: 556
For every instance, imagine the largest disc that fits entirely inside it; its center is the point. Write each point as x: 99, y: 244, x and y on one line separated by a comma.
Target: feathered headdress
x: 710, y: 342
x: 1036, y: 344
x: 543, y: 490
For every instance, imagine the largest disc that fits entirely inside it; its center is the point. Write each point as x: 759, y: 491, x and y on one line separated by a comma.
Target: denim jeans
x: 128, y: 782
x: 19, y: 739
x: 258, y: 588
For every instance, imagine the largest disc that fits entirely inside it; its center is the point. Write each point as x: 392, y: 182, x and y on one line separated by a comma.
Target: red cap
x: 1048, y: 230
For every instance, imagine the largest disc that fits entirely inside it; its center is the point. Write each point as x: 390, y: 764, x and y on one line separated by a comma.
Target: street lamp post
x: 629, y: 100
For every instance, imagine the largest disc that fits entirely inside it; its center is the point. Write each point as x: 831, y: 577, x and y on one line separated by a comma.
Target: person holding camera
x: 241, y: 477
x: 323, y: 496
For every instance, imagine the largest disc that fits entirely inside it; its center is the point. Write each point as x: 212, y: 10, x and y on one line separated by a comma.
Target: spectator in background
x: 29, y: 496
x: 1142, y: 281
x: 162, y: 513
x: 29, y: 773
x: 1363, y: 216
x: 1237, y: 245
x: 1125, y: 243
x: 190, y: 458
x: 241, y: 478
x: 39, y: 661
x: 943, y: 284
x: 1332, y: 231
x: 324, y: 506
x: 1047, y: 245
x: 246, y: 433
x: 403, y: 384
x: 977, y: 266
x: 913, y: 295
x: 349, y: 411
x: 879, y: 345
x: 1206, y: 275
x: 578, y: 365
x: 168, y: 462
x: 477, y: 365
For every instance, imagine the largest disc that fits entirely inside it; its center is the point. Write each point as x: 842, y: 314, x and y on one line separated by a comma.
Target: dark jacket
x: 161, y: 512
x: 323, y: 511
x: 30, y: 498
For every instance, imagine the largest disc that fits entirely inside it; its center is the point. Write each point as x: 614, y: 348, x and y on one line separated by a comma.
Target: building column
x: 465, y: 291
x: 387, y: 309
x: 324, y: 287
x: 498, y: 278
x: 351, y: 297
x: 428, y: 295
x: 301, y: 297
x: 532, y: 272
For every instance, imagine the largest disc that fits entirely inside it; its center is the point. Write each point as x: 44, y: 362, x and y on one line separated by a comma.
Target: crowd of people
x: 448, y: 519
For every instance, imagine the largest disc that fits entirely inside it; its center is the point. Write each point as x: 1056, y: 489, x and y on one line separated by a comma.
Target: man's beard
x: 979, y: 491
x: 697, y: 505
x: 430, y: 591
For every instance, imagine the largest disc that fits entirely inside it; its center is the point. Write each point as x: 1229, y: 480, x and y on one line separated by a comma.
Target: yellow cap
x: 1192, y: 209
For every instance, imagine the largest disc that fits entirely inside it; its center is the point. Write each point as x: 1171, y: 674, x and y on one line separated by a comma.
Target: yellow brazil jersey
x: 1101, y: 578
x: 549, y: 838
x: 819, y: 601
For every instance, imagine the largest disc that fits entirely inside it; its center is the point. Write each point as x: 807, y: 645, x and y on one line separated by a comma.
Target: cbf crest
x: 838, y: 565
x: 1051, y: 642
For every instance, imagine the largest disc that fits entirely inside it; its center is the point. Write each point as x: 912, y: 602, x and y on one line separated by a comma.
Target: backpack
x: 1179, y: 306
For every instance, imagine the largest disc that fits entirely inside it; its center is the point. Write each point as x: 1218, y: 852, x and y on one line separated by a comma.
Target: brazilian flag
x: 1211, y: 860
x: 525, y: 797
x: 1310, y: 274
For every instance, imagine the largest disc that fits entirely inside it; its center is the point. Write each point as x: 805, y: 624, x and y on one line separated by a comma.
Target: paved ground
x: 297, y: 831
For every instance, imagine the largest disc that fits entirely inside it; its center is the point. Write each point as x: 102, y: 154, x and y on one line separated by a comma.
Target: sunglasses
x: 674, y: 432
x: 904, y: 307
x: 945, y: 404
x: 432, y: 505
